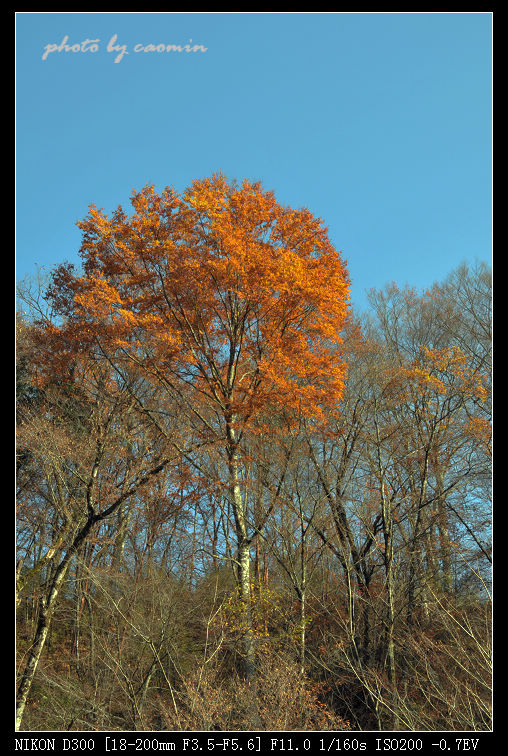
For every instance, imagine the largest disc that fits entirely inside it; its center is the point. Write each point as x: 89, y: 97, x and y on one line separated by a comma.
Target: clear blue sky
x: 379, y: 123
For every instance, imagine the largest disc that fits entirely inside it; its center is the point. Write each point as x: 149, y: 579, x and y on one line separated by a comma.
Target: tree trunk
x: 247, y: 631
x: 303, y: 619
x: 243, y: 576
x: 387, y: 521
x: 33, y: 660
x: 390, y: 621
x: 444, y: 536
x: 124, y: 514
x: 303, y: 595
x: 243, y: 553
x: 47, y: 608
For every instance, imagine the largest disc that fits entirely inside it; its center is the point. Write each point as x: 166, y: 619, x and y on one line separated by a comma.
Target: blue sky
x: 379, y: 123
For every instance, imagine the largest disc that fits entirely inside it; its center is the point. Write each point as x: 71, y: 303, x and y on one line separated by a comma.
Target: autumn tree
x: 424, y: 454
x: 400, y: 469
x: 366, y: 511
x: 92, y: 452
x: 440, y: 401
x: 227, y: 300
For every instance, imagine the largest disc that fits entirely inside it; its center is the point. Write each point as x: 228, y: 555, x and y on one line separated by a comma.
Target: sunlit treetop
x: 220, y: 287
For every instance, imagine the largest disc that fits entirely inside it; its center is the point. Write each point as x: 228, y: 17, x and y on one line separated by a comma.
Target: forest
x: 242, y: 504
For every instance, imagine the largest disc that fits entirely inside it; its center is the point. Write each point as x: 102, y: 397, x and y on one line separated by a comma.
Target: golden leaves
x: 480, y: 430
x: 251, y: 296
x: 456, y: 368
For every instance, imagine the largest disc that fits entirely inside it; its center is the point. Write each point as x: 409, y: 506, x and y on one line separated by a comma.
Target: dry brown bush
x: 279, y: 699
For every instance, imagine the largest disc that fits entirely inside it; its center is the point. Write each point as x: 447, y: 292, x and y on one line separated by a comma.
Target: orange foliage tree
x: 224, y: 297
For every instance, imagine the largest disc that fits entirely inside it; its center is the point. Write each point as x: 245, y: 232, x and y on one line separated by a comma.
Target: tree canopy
x: 242, y: 299
x: 242, y: 505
